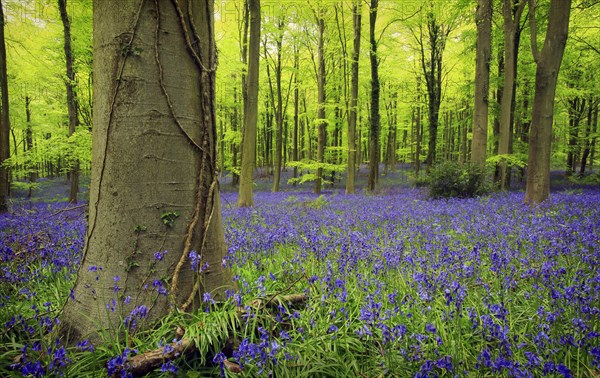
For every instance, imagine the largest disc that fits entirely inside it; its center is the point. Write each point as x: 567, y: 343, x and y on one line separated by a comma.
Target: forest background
x: 424, y: 52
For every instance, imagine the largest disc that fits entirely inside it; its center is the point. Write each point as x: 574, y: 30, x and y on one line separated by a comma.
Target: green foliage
x: 60, y: 150
x: 168, y: 218
x: 453, y: 179
x: 512, y: 160
x: 593, y: 179
x: 312, y: 166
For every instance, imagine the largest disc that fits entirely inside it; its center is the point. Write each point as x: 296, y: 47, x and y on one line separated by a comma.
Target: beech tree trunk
x: 248, y: 161
x: 352, y: 113
x: 71, y: 96
x: 483, y: 21
x: 322, y: 122
x: 154, y: 180
x: 511, y: 10
x: 540, y: 137
x: 375, y: 88
x: 434, y: 43
x: 295, y: 156
x: 4, y: 119
x: 587, y: 142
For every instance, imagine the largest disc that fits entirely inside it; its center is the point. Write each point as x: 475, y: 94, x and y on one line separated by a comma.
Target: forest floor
x: 397, y: 285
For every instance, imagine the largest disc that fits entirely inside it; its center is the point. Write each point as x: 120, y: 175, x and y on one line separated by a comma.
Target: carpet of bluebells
x: 397, y: 285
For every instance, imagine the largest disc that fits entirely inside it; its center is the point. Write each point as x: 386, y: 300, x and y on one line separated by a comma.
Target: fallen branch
x: 273, y: 302
x: 148, y: 361
x: 68, y: 209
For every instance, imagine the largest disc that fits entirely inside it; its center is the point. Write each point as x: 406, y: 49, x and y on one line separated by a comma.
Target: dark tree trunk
x: 512, y: 11
x: 375, y: 87
x: 71, y: 96
x: 296, y: 109
x: 576, y: 111
x: 322, y: 123
x: 352, y: 113
x: 587, y: 139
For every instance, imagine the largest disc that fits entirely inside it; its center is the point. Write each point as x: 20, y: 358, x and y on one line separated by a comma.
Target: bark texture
x: 154, y: 182
x: 322, y: 122
x: 511, y: 11
x: 540, y: 137
x: 245, y: 197
x: 71, y: 95
x: 351, y: 173
x: 375, y: 88
x: 482, y: 81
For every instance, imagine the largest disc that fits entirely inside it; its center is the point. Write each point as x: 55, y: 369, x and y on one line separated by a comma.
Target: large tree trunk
x: 483, y: 21
x: 4, y: 119
x: 71, y: 96
x: 351, y: 172
x: 540, y: 138
x: 248, y: 163
x: 154, y: 181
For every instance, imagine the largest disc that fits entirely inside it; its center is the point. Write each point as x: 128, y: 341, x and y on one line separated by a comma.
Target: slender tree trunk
x: 483, y: 21
x: 419, y: 130
x: 248, y: 162
x: 594, y: 137
x: 4, y: 119
x: 296, y: 109
x: 235, y: 178
x: 587, y: 142
x: 71, y: 96
x: 322, y: 123
x: 175, y: 204
x: 540, y: 138
x: 352, y: 113
x: 375, y: 88
x: 432, y: 71
x: 576, y: 111
x: 276, y: 94
x: 511, y: 10
x: 30, y: 166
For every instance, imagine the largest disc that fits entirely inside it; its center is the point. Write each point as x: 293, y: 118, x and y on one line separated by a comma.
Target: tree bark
x: 71, y: 96
x: 322, y: 122
x: 4, y: 119
x: 432, y: 71
x: 352, y: 113
x: 375, y: 89
x: 295, y: 155
x: 511, y: 10
x: 154, y: 181
x: 540, y: 138
x: 483, y: 21
x: 248, y: 161
x: 587, y: 142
